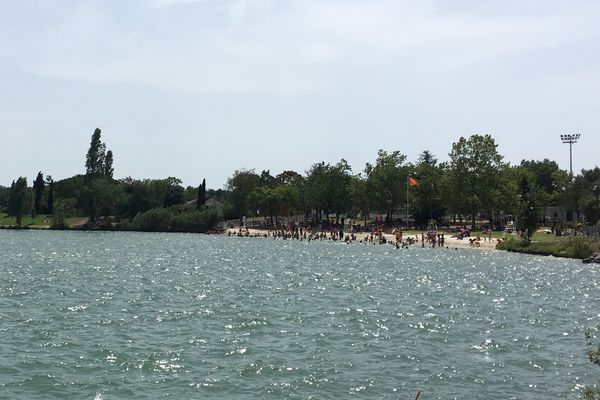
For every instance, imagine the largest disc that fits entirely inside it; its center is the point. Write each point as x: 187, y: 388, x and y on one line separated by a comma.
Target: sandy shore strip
x: 449, y: 242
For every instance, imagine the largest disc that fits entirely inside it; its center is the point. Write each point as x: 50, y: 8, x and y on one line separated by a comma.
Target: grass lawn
x: 26, y: 220
x: 558, y: 246
x: 40, y: 220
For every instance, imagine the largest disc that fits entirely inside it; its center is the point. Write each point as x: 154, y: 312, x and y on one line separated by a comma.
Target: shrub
x: 195, y: 221
x: 154, y: 220
x: 573, y: 247
x: 178, y: 220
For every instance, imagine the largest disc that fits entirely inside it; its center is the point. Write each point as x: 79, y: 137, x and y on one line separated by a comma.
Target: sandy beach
x: 449, y: 241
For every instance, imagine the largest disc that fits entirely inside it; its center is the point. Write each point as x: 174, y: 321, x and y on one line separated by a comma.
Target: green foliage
x: 274, y: 200
x: 59, y: 217
x: 590, y: 394
x: 20, y: 200
x: 27, y: 220
x: 195, y: 221
x: 94, y: 161
x: 317, y: 187
x: 98, y: 163
x: 38, y: 187
x: 240, y: 185
x: 475, y: 182
x: 294, y: 197
x: 527, y: 220
x: 50, y: 199
x: 168, y: 191
x: 201, y: 200
x: 594, y: 357
x: 548, y: 177
x: 427, y: 197
x: 573, y: 196
x: 154, y: 220
x: 4, y: 195
x: 474, y: 175
x: 140, y: 197
x: 360, y: 197
x: 100, y: 197
x: 591, y: 207
x: 108, y: 169
x: 164, y: 219
x: 571, y: 247
x: 328, y: 188
x: 387, y: 181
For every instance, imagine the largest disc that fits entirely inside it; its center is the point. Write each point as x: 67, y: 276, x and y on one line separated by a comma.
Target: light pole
x: 570, y: 139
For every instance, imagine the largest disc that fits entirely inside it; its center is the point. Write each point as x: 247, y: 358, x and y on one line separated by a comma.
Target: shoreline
x: 390, y: 239
x: 449, y: 242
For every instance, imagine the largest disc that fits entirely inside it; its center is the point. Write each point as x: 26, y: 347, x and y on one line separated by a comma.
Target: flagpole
x: 407, y: 224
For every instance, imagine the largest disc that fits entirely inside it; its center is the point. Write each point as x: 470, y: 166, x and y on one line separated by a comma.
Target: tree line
x: 475, y: 183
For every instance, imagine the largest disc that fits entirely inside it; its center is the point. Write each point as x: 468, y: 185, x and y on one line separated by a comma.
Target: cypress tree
x: 18, y: 201
x: 201, y: 194
x: 94, y: 160
x: 38, y: 186
x: 50, y: 196
x: 10, y: 207
x: 108, y: 165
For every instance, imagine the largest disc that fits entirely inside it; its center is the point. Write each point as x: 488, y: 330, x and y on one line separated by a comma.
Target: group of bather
x: 374, y: 235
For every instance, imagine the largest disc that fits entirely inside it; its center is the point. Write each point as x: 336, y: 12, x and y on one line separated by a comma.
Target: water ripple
x: 125, y: 315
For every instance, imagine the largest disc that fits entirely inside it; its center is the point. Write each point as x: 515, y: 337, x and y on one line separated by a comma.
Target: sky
x: 200, y: 88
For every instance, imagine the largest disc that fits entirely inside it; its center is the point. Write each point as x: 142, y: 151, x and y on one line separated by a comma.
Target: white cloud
x: 324, y: 72
x: 274, y: 46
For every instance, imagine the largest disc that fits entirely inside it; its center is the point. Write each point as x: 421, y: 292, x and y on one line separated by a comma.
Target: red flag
x: 412, y: 181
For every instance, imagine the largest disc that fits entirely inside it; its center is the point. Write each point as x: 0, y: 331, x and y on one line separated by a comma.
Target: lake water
x: 108, y: 315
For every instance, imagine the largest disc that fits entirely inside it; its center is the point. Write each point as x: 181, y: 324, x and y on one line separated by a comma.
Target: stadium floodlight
x: 570, y: 138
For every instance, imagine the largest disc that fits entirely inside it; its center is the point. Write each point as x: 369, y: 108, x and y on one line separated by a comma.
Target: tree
x: 4, y: 195
x: 328, y: 188
x: 279, y: 196
x: 50, y: 201
x: 101, y: 197
x: 108, y: 169
x: 94, y: 161
x: 572, y: 196
x: 594, y: 357
x: 360, y: 198
x: 266, y: 179
x: 339, y: 179
x: 169, y: 191
x: 267, y: 201
x: 201, y: 201
x: 241, y: 184
x: 316, y: 188
x: 289, y: 197
x: 591, y: 203
x: 38, y: 187
x: 387, y: 181
x: 527, y: 220
x: 474, y: 175
x: 295, y: 185
x: 98, y: 162
x: 19, y: 202
x: 140, y: 197
x: 548, y: 177
x: 427, y: 196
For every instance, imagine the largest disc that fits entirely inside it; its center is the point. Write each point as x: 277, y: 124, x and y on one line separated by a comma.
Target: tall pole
x: 570, y: 138
x: 571, y: 157
x: 407, y: 223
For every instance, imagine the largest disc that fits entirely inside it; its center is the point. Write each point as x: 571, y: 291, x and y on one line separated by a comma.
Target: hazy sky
x: 201, y: 88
